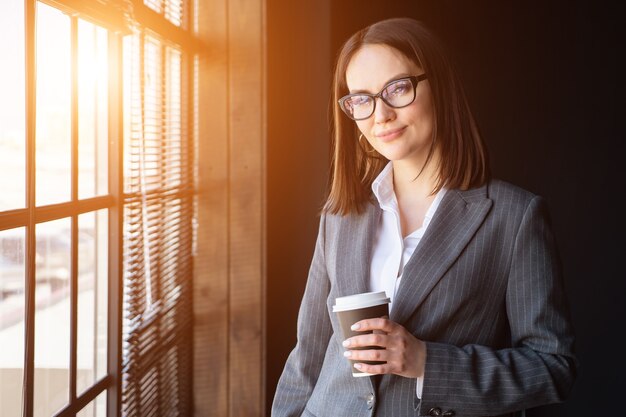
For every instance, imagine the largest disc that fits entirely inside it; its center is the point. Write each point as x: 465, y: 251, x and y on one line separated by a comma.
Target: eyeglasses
x: 397, y: 94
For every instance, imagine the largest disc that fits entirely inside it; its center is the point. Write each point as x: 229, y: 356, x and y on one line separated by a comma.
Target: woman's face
x: 403, y: 134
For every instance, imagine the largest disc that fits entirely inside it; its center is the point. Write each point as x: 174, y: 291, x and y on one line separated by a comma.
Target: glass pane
x: 171, y: 9
x: 92, y: 298
x: 12, y: 122
x: 96, y: 408
x: 150, y: 149
x: 12, y: 284
x: 155, y: 5
x: 52, y: 316
x: 92, y: 110
x: 174, y: 11
x: 53, y: 135
x: 173, y: 127
x: 133, y: 124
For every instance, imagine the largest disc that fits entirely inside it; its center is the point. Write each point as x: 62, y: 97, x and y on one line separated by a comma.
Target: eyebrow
x: 394, y: 78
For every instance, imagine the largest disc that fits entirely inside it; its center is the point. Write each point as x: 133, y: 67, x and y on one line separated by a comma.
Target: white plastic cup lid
x: 363, y: 300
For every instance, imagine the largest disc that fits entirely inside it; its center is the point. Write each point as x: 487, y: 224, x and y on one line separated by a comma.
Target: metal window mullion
x: 72, y: 208
x: 31, y: 104
x: 13, y: 218
x: 116, y: 213
x: 74, y: 217
x: 85, y: 398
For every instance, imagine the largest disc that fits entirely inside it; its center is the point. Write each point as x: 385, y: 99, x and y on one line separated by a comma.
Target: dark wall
x: 545, y: 81
x: 298, y: 80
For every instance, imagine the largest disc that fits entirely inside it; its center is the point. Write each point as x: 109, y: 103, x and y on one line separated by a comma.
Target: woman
x: 478, y: 324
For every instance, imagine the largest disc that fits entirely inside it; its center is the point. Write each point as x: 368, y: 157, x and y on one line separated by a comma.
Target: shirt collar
x: 383, y: 187
x: 384, y: 193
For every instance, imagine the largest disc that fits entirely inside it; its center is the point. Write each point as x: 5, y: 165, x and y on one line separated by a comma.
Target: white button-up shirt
x: 391, y: 252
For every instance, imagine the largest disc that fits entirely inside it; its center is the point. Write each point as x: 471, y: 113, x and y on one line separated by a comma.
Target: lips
x: 389, y: 134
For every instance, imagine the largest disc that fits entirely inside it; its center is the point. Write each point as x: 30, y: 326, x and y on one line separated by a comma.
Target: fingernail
x: 357, y: 365
x: 347, y: 353
x: 346, y: 343
x: 356, y: 326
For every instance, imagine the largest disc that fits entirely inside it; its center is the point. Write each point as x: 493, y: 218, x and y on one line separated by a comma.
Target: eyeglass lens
x: 397, y: 94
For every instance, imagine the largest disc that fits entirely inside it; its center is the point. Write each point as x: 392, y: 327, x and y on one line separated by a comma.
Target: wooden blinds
x: 158, y: 214
x: 172, y: 10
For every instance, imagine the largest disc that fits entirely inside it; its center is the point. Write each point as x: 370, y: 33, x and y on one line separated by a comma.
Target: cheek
x: 423, y: 116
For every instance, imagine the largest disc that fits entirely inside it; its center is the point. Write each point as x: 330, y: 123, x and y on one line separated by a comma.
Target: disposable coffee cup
x: 357, y: 307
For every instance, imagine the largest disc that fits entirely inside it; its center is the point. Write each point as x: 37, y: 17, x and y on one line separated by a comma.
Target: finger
x: 385, y: 325
x: 372, y: 369
x: 372, y: 339
x: 380, y: 355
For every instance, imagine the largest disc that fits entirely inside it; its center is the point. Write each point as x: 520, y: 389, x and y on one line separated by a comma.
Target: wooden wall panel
x: 247, y: 141
x: 229, y: 282
x: 211, y: 261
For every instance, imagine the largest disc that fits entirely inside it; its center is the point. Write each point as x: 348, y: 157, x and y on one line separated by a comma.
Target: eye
x: 398, y: 88
x: 358, y: 101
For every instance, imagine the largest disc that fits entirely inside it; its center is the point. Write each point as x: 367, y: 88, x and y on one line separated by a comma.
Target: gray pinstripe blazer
x: 483, y: 289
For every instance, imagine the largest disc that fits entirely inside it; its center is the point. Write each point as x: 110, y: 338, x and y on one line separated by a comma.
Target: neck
x: 405, y: 172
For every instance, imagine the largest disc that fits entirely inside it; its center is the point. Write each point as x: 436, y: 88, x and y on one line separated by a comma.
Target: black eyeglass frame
x: 415, y: 79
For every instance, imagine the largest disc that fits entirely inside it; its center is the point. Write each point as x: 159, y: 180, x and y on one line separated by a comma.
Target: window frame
x: 32, y: 215
x: 225, y: 51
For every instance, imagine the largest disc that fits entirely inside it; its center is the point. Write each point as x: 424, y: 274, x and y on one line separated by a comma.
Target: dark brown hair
x: 464, y: 160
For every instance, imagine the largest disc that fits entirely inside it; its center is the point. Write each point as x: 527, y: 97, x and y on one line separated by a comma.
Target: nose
x: 383, y: 113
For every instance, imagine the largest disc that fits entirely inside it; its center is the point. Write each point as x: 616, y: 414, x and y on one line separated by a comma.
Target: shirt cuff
x: 419, y: 387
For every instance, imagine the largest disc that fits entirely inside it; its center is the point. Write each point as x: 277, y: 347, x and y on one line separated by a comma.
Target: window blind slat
x: 158, y: 235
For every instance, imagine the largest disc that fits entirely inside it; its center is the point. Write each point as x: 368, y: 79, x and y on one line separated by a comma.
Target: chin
x: 403, y: 152
x: 393, y: 156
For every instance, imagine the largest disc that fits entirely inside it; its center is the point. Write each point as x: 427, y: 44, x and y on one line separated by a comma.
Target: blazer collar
x: 459, y: 215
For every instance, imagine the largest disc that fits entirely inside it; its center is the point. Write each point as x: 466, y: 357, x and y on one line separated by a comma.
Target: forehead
x: 372, y: 66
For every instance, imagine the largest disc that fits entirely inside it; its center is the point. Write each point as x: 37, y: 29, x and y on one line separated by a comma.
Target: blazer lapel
x: 353, y: 255
x: 354, y: 251
x: 456, y: 220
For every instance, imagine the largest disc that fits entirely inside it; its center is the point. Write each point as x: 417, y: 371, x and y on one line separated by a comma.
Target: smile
x: 390, y: 134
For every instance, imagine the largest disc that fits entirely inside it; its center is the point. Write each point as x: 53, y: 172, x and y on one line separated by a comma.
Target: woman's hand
x: 404, y: 353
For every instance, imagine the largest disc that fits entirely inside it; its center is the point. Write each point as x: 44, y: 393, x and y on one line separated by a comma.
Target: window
x: 95, y: 215
x: 55, y: 212
x: 99, y: 116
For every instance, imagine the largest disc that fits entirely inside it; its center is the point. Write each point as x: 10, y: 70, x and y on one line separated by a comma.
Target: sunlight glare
x: 92, y: 109
x: 12, y: 106
x: 53, y: 118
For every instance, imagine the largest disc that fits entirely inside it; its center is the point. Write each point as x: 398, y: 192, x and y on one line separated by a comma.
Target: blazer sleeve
x: 539, y: 368
x: 314, y: 331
